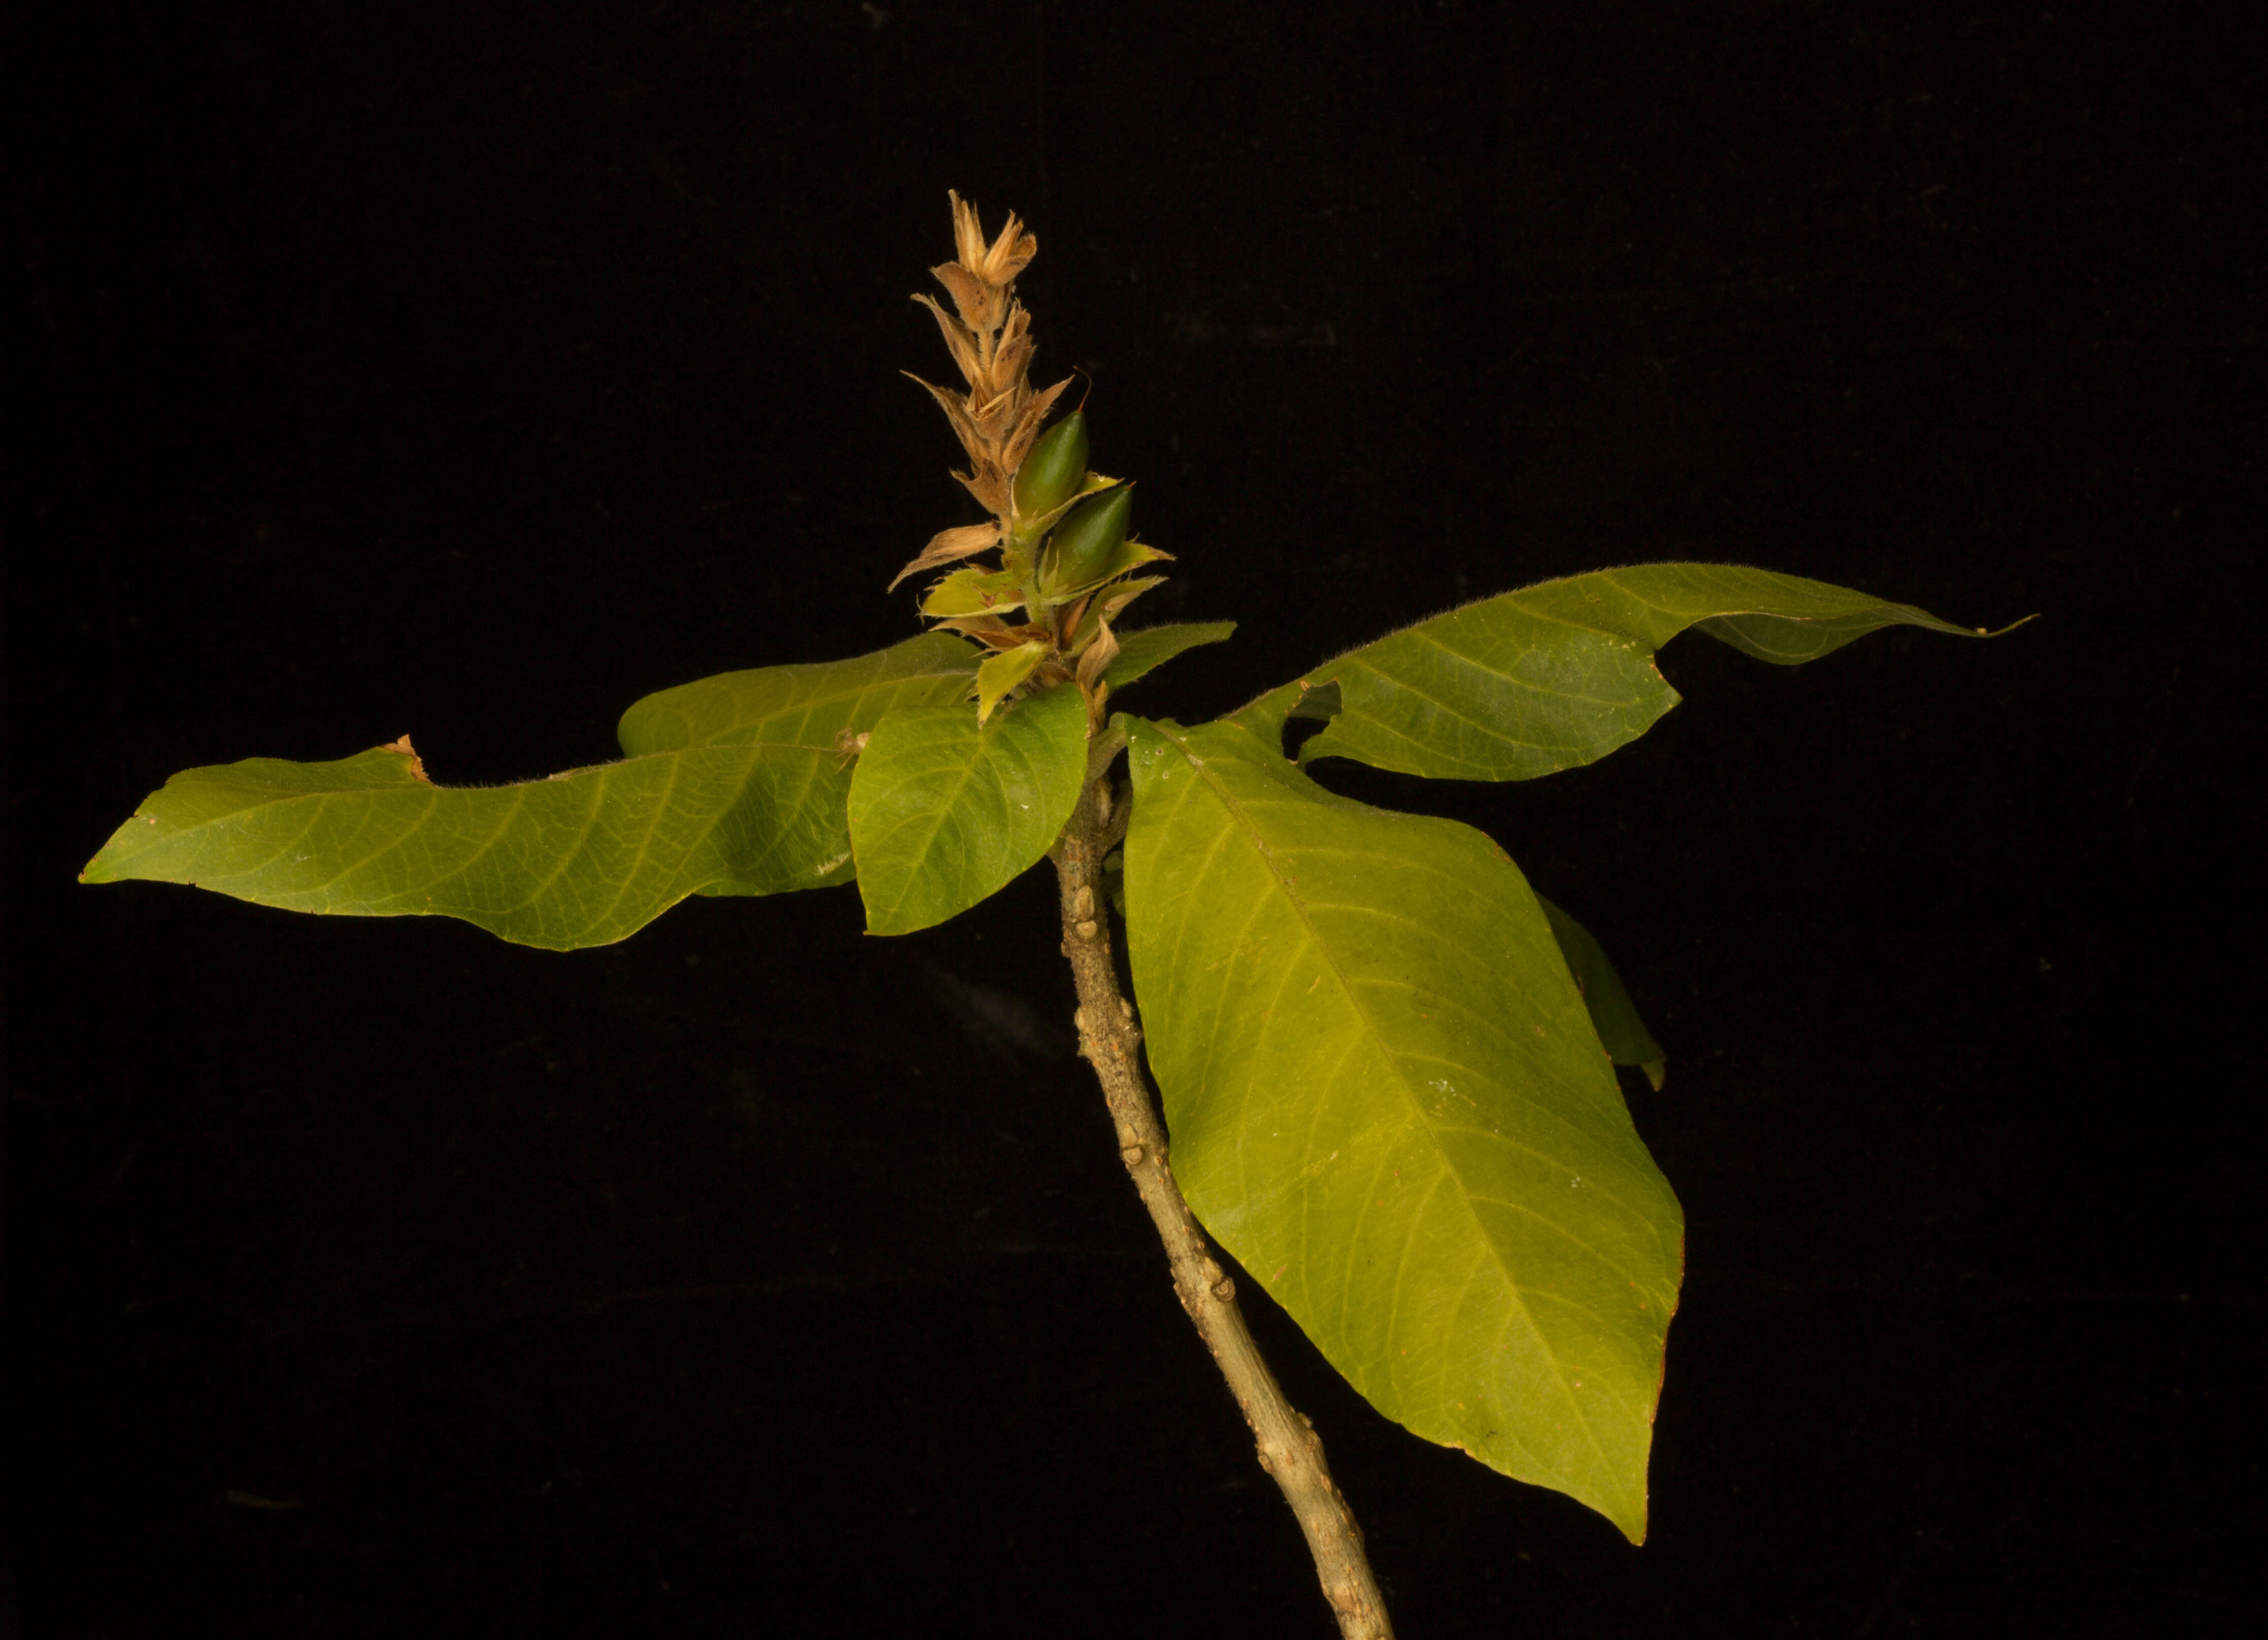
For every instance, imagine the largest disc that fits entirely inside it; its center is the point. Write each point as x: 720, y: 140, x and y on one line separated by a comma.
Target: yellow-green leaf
x: 1003, y: 672
x: 737, y: 784
x: 975, y: 592
x: 1388, y: 1102
x: 944, y: 812
x: 814, y: 704
x: 1560, y: 673
x: 584, y: 858
x: 1147, y: 648
x: 1613, y: 1014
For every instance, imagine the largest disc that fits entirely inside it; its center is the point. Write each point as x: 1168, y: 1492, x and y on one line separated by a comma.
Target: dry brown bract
x: 990, y: 340
x: 998, y: 420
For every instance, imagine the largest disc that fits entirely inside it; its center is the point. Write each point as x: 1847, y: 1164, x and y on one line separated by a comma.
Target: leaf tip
x: 1657, y: 1072
x: 2004, y: 631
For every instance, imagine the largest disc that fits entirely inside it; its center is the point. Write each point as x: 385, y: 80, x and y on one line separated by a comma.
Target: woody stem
x: 1289, y: 1448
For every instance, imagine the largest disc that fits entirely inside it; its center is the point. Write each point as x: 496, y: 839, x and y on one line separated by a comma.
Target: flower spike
x: 1065, y: 596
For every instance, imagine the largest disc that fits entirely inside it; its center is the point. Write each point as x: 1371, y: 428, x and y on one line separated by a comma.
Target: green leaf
x: 1560, y: 673
x: 1002, y: 671
x: 1148, y: 648
x: 1109, y: 604
x: 737, y: 784
x: 1613, y: 1014
x: 976, y: 592
x: 583, y: 858
x: 944, y: 813
x: 804, y: 705
x: 824, y: 702
x: 1387, y: 1101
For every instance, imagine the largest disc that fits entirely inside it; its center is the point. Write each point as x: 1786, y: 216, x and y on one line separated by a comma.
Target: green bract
x: 975, y: 592
x: 1084, y: 544
x: 1053, y: 468
x: 1006, y: 670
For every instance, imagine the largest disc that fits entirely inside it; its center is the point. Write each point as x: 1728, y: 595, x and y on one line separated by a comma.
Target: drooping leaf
x: 583, y: 858
x: 736, y: 784
x: 1560, y: 673
x: 1388, y: 1100
x: 1144, y: 651
x: 802, y: 705
x: 944, y: 812
x: 1613, y: 1014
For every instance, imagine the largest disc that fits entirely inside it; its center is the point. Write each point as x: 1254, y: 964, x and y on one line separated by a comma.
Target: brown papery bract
x: 996, y: 416
x: 989, y: 333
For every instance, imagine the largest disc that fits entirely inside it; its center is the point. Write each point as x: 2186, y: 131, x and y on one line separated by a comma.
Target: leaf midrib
x: 939, y: 814
x: 1231, y: 806
x: 318, y: 800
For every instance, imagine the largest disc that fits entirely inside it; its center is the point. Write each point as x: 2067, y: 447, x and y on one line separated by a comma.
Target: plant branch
x: 1290, y: 1450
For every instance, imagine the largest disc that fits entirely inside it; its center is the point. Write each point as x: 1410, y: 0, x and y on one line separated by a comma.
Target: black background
x: 474, y: 372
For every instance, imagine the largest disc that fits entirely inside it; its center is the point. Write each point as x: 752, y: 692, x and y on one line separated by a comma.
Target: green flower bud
x: 1081, y: 547
x: 1052, y: 472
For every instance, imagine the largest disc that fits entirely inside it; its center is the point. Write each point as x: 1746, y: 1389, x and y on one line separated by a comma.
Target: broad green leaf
x: 944, y: 812
x: 583, y: 858
x: 818, y: 703
x: 1613, y: 1014
x: 1148, y: 648
x: 805, y: 705
x: 1387, y: 1101
x: 1560, y: 673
